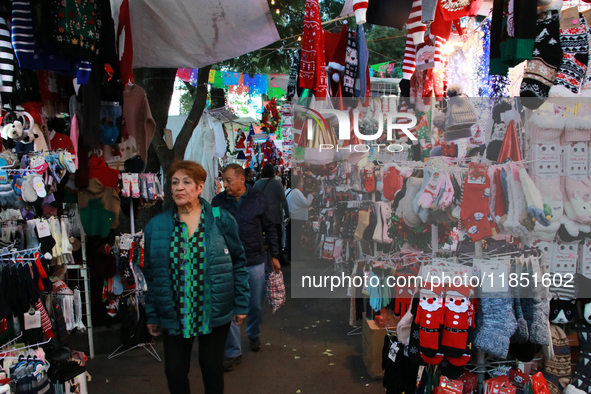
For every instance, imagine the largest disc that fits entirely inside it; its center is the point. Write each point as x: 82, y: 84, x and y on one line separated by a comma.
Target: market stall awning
x: 193, y: 34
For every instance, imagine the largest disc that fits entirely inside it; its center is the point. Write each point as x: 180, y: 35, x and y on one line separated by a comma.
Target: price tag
x: 37, y: 161
x: 32, y: 321
x: 43, y: 229
x: 494, y: 277
x: 394, y: 348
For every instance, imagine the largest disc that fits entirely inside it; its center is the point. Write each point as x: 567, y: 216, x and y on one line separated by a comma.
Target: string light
x: 277, y: 11
x: 272, y: 2
x: 299, y: 38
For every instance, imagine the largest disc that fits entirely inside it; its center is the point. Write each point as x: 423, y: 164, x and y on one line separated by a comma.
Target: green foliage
x: 382, y: 48
x: 276, y: 58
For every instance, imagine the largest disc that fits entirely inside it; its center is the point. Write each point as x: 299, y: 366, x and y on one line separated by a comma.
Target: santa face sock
x: 458, y: 319
x: 575, y: 56
x: 430, y: 317
x: 541, y: 70
x: 431, y: 191
x: 475, y: 214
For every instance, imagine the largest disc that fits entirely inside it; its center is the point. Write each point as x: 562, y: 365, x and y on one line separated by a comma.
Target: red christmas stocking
x: 430, y: 317
x: 458, y: 319
x: 475, y: 213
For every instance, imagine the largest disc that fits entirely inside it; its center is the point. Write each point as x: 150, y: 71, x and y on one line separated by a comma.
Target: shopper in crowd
x: 298, y: 210
x: 195, y: 268
x: 288, y: 220
x: 273, y: 190
x: 249, y: 176
x: 250, y: 208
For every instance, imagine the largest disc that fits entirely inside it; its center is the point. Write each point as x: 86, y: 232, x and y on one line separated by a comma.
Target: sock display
x: 362, y: 223
x: 541, y: 70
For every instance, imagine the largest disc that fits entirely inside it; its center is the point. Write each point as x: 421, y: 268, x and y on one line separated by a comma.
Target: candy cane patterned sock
x: 474, y: 213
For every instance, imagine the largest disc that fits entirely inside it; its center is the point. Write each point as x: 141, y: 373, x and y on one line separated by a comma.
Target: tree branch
x: 192, y: 121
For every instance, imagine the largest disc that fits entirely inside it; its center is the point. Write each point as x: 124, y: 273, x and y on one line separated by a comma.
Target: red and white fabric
x: 312, y: 63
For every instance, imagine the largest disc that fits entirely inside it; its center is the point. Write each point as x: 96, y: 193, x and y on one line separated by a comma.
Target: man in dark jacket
x: 257, y: 233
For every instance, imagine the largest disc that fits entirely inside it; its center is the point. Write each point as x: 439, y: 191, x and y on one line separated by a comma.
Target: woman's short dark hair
x: 194, y: 170
x: 268, y: 171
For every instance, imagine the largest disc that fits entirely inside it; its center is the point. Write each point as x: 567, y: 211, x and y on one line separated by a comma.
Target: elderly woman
x: 195, y: 268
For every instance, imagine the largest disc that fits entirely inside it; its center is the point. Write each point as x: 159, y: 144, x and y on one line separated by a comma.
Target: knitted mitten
x: 498, y: 324
x: 538, y: 329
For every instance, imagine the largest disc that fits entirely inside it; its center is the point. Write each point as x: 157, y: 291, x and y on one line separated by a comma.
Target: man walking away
x: 257, y: 232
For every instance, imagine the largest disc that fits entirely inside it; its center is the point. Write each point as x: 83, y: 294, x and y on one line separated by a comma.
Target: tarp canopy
x: 196, y: 33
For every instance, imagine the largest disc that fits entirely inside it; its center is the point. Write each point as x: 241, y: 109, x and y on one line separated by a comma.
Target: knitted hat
x: 558, y: 371
x: 546, y: 129
x: 135, y: 164
x: 460, y: 115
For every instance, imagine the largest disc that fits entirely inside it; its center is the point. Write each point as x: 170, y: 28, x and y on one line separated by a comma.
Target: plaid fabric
x: 190, y: 284
x: 276, y: 290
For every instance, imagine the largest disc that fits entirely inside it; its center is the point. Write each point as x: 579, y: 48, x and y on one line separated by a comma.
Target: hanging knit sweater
x: 312, y: 64
x: 77, y: 26
x: 6, y: 60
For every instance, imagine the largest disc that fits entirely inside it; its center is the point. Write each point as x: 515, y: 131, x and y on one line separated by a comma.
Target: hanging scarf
x: 313, y: 64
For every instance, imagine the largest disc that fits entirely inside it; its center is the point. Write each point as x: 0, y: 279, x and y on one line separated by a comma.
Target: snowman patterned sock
x: 475, y: 214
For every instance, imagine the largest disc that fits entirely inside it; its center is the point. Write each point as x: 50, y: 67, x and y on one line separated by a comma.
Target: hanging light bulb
x: 277, y: 11
x: 272, y: 2
x: 299, y: 38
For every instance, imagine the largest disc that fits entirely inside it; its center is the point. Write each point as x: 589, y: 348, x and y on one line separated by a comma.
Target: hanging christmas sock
x: 539, y: 211
x: 430, y: 318
x: 474, y: 212
x: 586, y: 89
x: 538, y: 328
x: 575, y: 56
x: 362, y: 223
x: 541, y: 70
x: 431, y: 191
x: 351, y: 66
x: 521, y: 333
x: 415, y: 26
x: 458, y: 319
